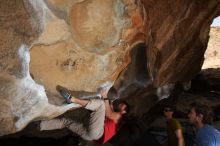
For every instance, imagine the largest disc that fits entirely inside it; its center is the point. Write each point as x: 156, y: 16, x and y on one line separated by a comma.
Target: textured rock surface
x: 80, y: 45
x: 94, y: 49
x: 83, y: 45
x: 17, y: 28
x: 178, y: 40
x: 212, y: 54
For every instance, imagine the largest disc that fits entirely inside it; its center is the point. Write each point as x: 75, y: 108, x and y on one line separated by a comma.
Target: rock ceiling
x: 85, y: 44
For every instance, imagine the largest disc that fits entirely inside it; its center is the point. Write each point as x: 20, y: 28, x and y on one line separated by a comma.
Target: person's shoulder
x: 176, y: 124
x: 208, y: 127
x: 207, y: 135
x: 207, y: 130
x: 174, y: 120
x: 116, y: 117
x: 213, y: 129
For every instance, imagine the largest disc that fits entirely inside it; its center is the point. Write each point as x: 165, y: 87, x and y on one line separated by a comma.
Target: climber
x: 104, y: 122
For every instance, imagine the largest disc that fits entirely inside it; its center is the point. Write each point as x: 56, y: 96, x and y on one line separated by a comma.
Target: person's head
x: 200, y: 114
x: 122, y: 107
x: 112, y: 93
x: 168, y: 111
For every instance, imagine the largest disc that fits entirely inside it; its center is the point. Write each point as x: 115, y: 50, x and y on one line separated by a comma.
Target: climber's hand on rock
x: 104, y: 93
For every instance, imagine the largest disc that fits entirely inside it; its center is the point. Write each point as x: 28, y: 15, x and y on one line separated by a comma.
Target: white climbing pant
x: 96, y: 122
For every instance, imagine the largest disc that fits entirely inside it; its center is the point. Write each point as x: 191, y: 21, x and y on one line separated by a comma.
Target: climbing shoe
x: 66, y: 95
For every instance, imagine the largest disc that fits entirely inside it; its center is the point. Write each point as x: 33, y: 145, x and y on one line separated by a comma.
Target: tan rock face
x: 89, y: 51
x: 80, y: 45
x: 13, y: 34
x: 18, y: 30
x: 84, y: 44
x: 212, y: 54
x: 96, y: 25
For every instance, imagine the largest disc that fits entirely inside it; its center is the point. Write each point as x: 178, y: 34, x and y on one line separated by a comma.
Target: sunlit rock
x: 212, y: 54
x: 87, y: 44
x: 81, y: 45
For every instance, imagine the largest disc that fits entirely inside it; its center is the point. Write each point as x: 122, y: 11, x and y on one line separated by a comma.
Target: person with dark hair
x: 201, y: 116
x: 174, y: 128
x: 103, y: 123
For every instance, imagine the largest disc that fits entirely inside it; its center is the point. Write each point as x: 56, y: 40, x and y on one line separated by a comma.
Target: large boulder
x: 85, y: 45
x: 80, y: 45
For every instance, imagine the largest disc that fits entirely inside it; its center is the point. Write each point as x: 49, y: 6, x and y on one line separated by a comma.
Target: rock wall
x: 83, y: 45
x: 80, y: 45
x: 177, y: 37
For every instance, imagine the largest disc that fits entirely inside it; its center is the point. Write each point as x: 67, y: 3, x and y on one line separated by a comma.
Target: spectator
x: 201, y: 116
x: 174, y: 128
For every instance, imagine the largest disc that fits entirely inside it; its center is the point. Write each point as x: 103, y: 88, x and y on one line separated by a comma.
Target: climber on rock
x: 104, y: 122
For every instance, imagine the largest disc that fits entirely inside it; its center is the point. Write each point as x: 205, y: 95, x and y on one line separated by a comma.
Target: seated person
x: 201, y: 116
